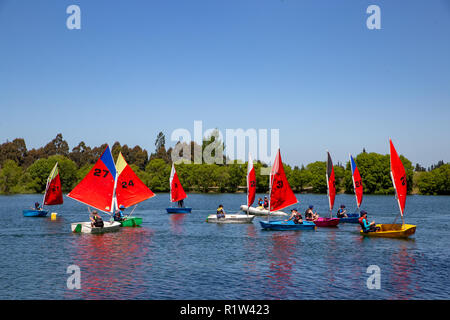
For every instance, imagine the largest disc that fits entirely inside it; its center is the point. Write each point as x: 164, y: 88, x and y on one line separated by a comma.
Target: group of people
x: 97, y: 221
x: 310, y: 215
x: 263, y: 203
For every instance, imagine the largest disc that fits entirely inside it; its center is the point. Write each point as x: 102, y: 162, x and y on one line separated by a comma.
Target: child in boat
x: 181, y: 203
x: 266, y: 203
x: 260, y: 203
x: 365, y: 225
x: 220, y: 212
x: 96, y: 220
x: 37, y: 206
x: 310, y: 215
x: 296, y: 217
x: 342, y: 213
x: 119, y: 216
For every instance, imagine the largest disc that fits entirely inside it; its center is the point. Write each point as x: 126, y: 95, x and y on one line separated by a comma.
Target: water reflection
x: 403, y: 265
x: 176, y: 223
x: 112, y: 264
x: 281, y: 261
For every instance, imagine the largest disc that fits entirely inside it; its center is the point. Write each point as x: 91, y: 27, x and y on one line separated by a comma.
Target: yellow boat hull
x: 392, y: 231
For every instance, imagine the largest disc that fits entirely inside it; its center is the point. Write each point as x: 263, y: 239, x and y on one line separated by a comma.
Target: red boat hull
x: 327, y: 222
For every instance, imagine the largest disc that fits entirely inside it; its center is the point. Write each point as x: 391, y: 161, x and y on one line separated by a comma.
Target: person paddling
x: 342, y: 213
x: 365, y: 225
x: 119, y: 215
x: 220, y: 212
x: 296, y: 217
x: 96, y: 220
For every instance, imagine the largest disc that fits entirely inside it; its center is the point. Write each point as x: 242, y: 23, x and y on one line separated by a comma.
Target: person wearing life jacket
x: 96, y: 220
x: 296, y: 217
x: 266, y: 203
x: 181, y: 203
x: 119, y: 216
x: 220, y: 212
x: 37, y: 206
x: 260, y: 202
x: 310, y: 215
x: 342, y: 213
x: 365, y: 225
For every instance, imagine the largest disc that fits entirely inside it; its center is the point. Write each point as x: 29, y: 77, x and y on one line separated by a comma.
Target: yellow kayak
x: 392, y: 231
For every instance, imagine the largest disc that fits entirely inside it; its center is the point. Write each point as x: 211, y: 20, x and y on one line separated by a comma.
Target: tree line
x: 26, y: 171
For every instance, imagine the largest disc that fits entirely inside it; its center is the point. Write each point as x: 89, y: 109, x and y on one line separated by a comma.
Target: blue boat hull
x: 34, y: 213
x: 352, y: 218
x: 282, y: 225
x: 179, y: 210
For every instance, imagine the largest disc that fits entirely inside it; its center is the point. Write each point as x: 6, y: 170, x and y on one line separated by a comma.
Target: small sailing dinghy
x: 129, y: 191
x: 331, y: 192
x: 358, y: 187
x: 259, y: 211
x: 97, y: 190
x: 177, y: 193
x: 251, y: 192
x: 52, y: 196
x: 281, y: 196
x: 398, y: 176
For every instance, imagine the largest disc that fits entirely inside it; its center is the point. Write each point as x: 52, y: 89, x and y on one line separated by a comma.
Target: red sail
x: 281, y: 194
x: 54, y: 196
x: 357, y: 182
x: 176, y: 189
x: 398, y: 177
x: 330, y: 182
x: 251, y: 182
x: 97, y: 188
x: 130, y: 189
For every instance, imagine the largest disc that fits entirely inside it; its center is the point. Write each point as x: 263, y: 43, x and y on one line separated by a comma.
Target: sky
x: 311, y: 69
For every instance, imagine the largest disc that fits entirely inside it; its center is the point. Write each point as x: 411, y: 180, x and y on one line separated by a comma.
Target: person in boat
x: 260, y: 202
x: 119, y: 215
x: 37, y: 206
x: 365, y: 225
x: 266, y: 203
x: 96, y: 220
x: 296, y: 217
x: 310, y: 215
x: 342, y: 213
x: 220, y: 212
x: 181, y: 203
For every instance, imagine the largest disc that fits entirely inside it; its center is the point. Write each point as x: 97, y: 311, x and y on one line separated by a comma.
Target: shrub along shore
x: 26, y: 171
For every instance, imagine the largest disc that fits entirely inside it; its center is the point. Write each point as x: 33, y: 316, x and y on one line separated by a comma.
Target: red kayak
x: 327, y: 222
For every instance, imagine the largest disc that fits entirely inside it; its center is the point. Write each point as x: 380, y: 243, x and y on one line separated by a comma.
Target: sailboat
x: 107, y: 187
x: 282, y: 196
x: 251, y: 192
x: 129, y: 191
x: 331, y: 193
x: 398, y: 176
x: 52, y: 196
x: 176, y: 193
x: 358, y: 187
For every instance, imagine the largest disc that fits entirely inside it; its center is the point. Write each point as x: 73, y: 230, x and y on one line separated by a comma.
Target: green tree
x: 10, y: 174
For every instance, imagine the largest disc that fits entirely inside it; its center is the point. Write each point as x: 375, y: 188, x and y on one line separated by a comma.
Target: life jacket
x: 98, y: 221
x: 361, y: 223
x: 220, y: 212
x: 297, y: 218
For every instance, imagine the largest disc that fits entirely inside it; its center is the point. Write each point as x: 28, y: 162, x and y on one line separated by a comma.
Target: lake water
x: 183, y: 257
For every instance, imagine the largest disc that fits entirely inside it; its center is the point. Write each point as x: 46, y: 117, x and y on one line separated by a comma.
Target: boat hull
x: 352, y: 218
x: 231, y: 218
x: 85, y: 227
x: 287, y: 225
x: 327, y: 222
x: 178, y: 210
x: 392, y: 231
x: 262, y: 212
x: 131, y: 222
x: 34, y: 213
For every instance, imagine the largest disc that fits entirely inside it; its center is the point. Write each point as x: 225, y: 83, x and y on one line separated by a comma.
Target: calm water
x: 183, y: 257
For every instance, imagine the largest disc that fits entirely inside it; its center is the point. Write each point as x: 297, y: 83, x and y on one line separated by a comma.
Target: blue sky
x: 309, y: 68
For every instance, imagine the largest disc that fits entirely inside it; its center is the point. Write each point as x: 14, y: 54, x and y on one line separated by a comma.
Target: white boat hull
x: 263, y: 212
x: 231, y: 218
x: 86, y: 227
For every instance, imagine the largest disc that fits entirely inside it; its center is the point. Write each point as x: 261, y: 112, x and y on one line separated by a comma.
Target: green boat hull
x: 131, y: 222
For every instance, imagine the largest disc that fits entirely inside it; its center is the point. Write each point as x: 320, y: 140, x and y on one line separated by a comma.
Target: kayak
x: 34, y: 213
x: 351, y: 218
x: 131, y: 222
x: 179, y: 210
x: 260, y: 211
x: 85, y: 227
x: 392, y: 231
x: 230, y: 218
x: 327, y: 222
x: 282, y: 225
